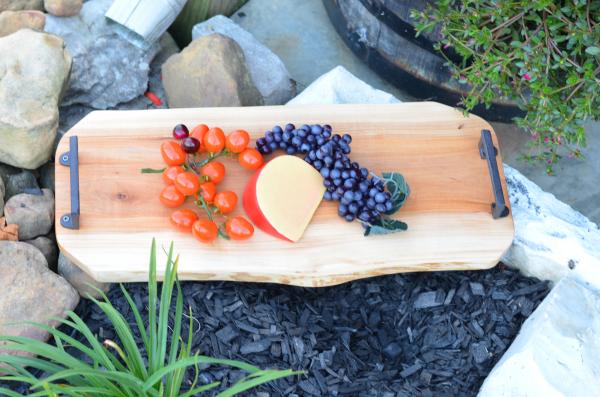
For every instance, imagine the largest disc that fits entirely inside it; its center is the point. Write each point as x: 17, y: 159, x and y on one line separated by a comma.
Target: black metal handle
x: 71, y: 159
x: 488, y: 152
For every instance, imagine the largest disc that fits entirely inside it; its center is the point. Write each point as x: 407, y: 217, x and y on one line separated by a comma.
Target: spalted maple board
x: 450, y: 226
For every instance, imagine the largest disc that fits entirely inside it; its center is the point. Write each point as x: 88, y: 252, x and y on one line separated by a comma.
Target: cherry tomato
x: 237, y: 141
x: 171, y: 173
x: 214, y: 140
x: 238, y: 228
x: 187, y: 183
x: 198, y: 133
x: 225, y: 201
x: 171, y: 197
x: 183, y: 220
x: 215, y: 171
x: 250, y: 159
x: 205, y: 230
x: 208, y: 191
x: 172, y: 153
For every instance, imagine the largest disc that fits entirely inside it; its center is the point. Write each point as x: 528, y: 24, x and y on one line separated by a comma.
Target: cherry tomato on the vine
x: 187, y: 183
x: 225, y: 201
x: 250, y: 159
x: 237, y: 141
x: 214, y: 140
x: 238, y: 228
x: 214, y: 171
x: 172, y: 153
x: 198, y: 133
x: 171, y: 197
x: 183, y: 220
x: 171, y: 173
x: 205, y: 230
x: 208, y: 191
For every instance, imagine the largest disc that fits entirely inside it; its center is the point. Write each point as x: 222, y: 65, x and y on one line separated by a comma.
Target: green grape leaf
x: 384, y: 226
x: 398, y: 188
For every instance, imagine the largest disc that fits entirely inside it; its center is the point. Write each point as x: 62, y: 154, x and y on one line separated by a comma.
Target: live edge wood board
x: 450, y: 226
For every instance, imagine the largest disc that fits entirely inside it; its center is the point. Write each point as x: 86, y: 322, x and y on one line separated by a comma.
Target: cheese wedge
x: 282, y: 197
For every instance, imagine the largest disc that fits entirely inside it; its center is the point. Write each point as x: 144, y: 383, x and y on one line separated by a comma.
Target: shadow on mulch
x: 420, y: 334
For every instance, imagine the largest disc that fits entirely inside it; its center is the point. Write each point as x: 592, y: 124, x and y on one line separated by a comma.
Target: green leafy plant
x: 543, y: 54
x: 122, y: 368
x: 196, y: 11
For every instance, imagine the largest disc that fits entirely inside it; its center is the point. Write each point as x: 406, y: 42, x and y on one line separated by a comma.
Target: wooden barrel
x: 381, y: 33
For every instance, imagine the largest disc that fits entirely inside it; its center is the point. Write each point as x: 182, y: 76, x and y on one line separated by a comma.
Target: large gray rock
x: 266, y: 69
x: 34, y: 214
x: 23, y: 182
x: 556, y: 352
x: 34, y: 70
x: 16, y: 5
x: 30, y: 292
x: 48, y: 248
x: 340, y: 86
x: 107, y: 69
x: 211, y: 71
x: 80, y: 280
x: 552, y: 240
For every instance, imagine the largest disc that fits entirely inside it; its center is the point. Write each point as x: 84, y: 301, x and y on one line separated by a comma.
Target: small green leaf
x: 398, y: 188
x: 593, y: 50
x: 153, y: 170
x: 384, y: 226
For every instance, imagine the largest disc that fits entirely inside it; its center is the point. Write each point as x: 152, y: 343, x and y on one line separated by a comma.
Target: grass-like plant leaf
x: 122, y: 367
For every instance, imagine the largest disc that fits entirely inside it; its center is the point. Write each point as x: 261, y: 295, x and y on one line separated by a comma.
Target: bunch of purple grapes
x: 360, y: 195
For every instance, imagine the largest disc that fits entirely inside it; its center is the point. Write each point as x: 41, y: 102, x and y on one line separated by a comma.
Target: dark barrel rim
x: 404, y: 80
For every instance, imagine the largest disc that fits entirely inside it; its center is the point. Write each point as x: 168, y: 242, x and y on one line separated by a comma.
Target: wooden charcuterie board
x: 450, y: 226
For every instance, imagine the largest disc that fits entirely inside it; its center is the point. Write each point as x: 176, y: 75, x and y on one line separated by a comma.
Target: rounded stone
x: 12, y: 21
x: 29, y: 96
x: 48, y: 248
x: 34, y: 214
x: 16, y: 5
x: 30, y: 292
x: 80, y: 280
x: 23, y: 182
x: 211, y: 71
x: 63, y: 8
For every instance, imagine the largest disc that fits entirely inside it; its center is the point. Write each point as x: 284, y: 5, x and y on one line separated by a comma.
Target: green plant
x: 123, y: 369
x: 543, y: 54
x: 196, y: 11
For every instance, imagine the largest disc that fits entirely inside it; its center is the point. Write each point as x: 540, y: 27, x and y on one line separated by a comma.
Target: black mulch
x: 422, y: 334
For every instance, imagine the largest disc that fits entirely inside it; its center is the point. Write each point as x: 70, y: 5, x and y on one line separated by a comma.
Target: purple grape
x: 180, y: 131
x: 190, y: 145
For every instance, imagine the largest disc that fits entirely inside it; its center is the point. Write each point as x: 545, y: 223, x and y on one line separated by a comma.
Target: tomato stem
x: 202, y: 204
x: 152, y: 170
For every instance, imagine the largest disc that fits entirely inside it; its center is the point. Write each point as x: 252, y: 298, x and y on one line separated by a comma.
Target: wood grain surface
x: 450, y: 226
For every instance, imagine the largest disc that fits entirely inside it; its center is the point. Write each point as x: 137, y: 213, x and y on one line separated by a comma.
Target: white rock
x: 107, y: 69
x: 556, y: 352
x: 266, y: 69
x: 551, y: 240
x: 340, y: 86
